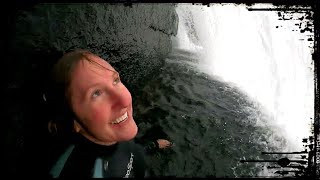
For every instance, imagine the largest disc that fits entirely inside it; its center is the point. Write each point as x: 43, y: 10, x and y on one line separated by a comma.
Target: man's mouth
x: 120, y: 119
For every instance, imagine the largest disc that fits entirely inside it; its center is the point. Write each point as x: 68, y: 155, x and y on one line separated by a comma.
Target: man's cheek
x: 100, y: 116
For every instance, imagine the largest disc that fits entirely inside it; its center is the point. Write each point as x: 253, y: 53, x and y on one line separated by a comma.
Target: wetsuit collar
x: 90, y: 146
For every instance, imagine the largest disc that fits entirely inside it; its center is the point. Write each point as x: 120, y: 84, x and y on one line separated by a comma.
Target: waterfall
x: 273, y: 66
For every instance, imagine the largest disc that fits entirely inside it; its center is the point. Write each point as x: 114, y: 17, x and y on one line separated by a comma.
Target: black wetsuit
x: 86, y: 159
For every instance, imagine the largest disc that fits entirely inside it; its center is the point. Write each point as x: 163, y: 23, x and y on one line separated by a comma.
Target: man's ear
x: 76, y: 126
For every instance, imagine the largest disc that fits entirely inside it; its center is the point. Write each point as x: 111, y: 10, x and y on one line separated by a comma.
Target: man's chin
x: 127, y: 132
x: 132, y: 134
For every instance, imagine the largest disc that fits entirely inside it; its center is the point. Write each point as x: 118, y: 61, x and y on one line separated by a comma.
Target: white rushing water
x: 244, y: 48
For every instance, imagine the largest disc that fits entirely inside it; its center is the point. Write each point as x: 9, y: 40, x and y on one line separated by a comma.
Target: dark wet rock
x: 134, y: 39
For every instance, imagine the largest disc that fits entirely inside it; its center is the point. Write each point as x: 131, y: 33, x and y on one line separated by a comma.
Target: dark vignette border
x: 284, y: 5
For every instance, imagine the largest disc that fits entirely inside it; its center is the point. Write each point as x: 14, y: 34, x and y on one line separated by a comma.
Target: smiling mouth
x: 120, y: 119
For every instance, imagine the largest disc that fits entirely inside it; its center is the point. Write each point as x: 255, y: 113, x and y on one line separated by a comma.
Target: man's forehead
x: 92, y: 67
x: 99, y: 62
x: 90, y: 72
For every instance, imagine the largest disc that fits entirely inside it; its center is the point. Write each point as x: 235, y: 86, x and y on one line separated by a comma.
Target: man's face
x: 102, y: 104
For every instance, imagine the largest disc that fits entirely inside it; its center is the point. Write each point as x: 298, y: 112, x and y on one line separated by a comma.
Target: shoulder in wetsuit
x: 87, y: 159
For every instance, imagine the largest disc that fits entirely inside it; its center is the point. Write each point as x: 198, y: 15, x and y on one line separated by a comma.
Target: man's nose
x: 121, y: 97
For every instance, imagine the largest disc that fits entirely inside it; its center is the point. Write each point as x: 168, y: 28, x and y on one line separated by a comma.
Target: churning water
x: 244, y: 48
x: 233, y: 86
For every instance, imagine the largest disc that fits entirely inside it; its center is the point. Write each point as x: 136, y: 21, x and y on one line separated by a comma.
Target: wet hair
x: 58, y: 93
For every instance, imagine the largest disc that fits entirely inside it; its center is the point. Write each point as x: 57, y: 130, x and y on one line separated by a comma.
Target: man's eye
x: 96, y: 93
x: 116, y: 80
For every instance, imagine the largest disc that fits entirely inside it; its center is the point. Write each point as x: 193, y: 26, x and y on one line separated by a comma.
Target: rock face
x: 134, y: 39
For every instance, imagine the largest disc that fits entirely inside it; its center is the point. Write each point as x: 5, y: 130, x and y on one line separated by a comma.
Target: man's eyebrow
x: 92, y: 86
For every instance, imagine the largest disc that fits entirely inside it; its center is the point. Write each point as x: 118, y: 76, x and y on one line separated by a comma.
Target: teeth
x: 120, y: 119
